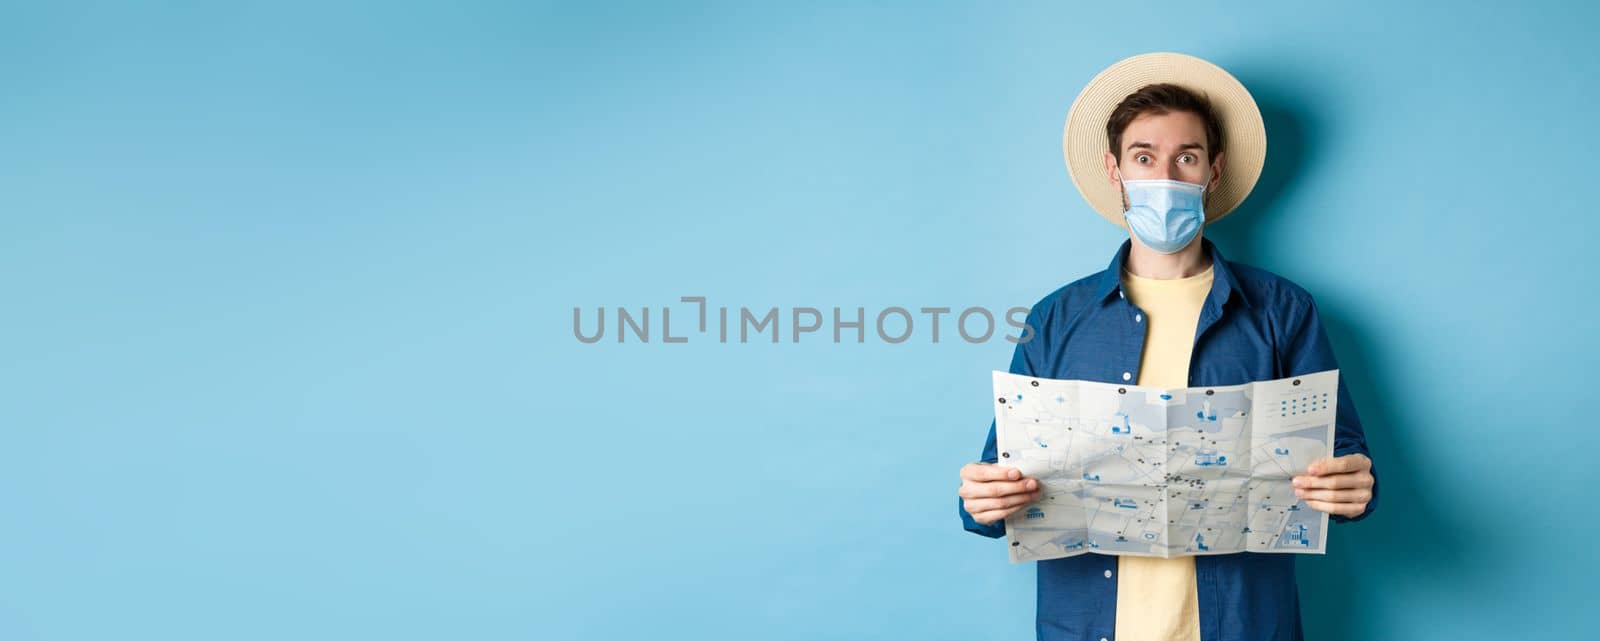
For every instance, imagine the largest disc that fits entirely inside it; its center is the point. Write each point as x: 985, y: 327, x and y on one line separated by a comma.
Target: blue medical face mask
x: 1165, y: 214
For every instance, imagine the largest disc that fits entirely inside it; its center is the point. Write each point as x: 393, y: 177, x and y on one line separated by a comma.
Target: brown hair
x: 1161, y: 99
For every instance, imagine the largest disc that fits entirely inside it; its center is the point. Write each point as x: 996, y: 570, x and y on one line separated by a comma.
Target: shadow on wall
x: 1410, y: 544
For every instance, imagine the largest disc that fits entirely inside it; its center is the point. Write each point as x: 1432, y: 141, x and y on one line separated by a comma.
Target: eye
x: 1143, y: 159
x: 1187, y: 158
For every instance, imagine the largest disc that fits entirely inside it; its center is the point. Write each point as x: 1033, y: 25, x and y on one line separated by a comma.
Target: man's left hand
x: 1340, y: 485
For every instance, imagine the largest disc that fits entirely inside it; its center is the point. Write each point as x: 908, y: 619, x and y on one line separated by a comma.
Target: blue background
x: 288, y: 293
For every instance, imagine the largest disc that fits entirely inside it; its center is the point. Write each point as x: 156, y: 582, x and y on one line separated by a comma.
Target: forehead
x: 1164, y: 131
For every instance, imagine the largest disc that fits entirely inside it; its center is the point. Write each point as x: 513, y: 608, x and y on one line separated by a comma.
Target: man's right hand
x: 992, y: 492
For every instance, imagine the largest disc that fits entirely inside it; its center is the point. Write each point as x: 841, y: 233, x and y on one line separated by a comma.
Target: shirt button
x: 1102, y: 639
x: 1108, y: 574
x: 1126, y: 376
x: 1119, y: 295
x: 1138, y: 317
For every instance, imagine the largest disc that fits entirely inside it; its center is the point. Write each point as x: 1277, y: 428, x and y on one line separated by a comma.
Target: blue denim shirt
x: 1254, y: 325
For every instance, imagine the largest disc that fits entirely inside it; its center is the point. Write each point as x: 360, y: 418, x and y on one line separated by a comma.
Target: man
x: 1146, y: 143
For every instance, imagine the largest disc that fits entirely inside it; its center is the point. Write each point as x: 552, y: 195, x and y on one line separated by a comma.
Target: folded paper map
x: 1144, y: 471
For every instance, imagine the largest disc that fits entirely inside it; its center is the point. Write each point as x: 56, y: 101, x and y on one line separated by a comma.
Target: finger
x: 1342, y: 509
x: 1334, y: 481
x: 979, y: 506
x: 989, y: 518
x: 1000, y: 488
x: 995, y: 515
x: 1336, y: 496
x: 993, y: 489
x: 989, y: 472
x: 1341, y: 465
x: 1001, y: 503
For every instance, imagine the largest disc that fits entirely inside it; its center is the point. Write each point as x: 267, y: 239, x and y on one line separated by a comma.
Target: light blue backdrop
x: 288, y: 294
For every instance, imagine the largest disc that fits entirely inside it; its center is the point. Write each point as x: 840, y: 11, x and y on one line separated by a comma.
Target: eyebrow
x: 1145, y: 145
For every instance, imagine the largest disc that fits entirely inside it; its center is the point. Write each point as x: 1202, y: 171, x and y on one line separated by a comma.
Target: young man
x: 1146, y: 143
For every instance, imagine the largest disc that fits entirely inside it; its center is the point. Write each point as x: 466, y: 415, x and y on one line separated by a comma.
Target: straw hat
x: 1084, y: 140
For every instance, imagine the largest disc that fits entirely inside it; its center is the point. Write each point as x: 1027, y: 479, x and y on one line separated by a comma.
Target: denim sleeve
x: 1023, y: 361
x: 1308, y: 351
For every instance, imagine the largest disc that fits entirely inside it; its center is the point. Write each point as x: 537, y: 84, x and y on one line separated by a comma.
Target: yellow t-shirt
x: 1156, y: 598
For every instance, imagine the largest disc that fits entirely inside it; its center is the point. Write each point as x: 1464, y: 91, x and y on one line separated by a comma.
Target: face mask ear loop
x: 1123, y: 186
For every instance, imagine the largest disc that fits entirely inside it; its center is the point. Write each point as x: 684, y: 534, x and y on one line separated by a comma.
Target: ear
x: 1216, y: 171
x: 1112, y: 174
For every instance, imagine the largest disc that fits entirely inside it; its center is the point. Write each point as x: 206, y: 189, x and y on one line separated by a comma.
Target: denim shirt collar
x: 1223, y: 285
